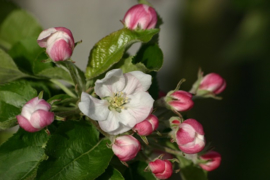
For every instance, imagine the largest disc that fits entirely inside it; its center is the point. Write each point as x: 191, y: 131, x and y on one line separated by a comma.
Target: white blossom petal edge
x: 124, y: 101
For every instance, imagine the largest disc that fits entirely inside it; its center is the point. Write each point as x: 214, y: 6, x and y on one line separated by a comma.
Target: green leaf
x: 24, y: 53
x: 126, y: 65
x: 151, y: 56
x: 111, y: 48
x: 8, y: 115
x: 111, y: 174
x: 191, y: 171
x: 29, y: 56
x: 8, y: 69
x: 21, y: 155
x: 136, y: 171
x: 13, y: 96
x: 17, y: 93
x: 75, y: 153
x: 17, y: 26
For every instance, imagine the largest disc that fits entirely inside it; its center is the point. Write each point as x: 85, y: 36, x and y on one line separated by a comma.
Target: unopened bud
x: 147, y: 126
x: 214, y: 159
x: 190, y: 137
x: 35, y: 115
x: 140, y: 16
x: 58, y: 41
x: 126, y: 147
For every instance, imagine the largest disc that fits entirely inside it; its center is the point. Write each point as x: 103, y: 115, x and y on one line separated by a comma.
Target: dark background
x: 231, y: 38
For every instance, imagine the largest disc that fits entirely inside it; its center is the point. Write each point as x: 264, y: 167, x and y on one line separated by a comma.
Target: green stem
x: 77, y: 77
x: 63, y: 87
x: 166, y: 149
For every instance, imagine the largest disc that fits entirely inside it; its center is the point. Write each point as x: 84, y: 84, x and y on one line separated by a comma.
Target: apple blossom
x: 58, y: 41
x: 140, y: 16
x: 179, y: 100
x: 124, y: 101
x: 214, y: 160
x: 190, y: 136
x: 162, y: 169
x: 126, y: 147
x: 35, y: 115
x: 147, y: 126
x: 212, y: 82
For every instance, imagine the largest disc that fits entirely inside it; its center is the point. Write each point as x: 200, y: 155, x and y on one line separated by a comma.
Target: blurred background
x: 230, y: 38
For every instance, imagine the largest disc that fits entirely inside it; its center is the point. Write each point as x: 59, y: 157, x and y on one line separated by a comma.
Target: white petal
x: 137, y: 81
x: 42, y: 38
x: 121, y: 129
x: 94, y: 108
x: 126, y: 118
x: 113, y: 81
x: 140, y: 105
x: 111, y: 123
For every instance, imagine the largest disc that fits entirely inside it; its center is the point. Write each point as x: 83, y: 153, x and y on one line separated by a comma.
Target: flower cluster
x: 118, y: 102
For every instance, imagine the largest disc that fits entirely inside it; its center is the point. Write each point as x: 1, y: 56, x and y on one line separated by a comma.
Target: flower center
x: 118, y: 101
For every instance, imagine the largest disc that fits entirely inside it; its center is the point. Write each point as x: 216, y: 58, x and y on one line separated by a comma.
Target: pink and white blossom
x: 162, y: 169
x: 140, y: 16
x: 214, y: 159
x: 190, y: 137
x: 147, y: 126
x: 126, y: 147
x: 212, y: 82
x: 58, y: 41
x: 124, y: 101
x: 35, y: 115
x: 179, y: 100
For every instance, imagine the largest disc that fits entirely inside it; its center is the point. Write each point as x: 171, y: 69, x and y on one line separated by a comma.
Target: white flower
x: 124, y: 101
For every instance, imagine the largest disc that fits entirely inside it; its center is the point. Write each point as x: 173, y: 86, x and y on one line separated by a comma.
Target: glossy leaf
x: 8, y: 69
x: 75, y: 153
x: 21, y: 155
x: 17, y: 26
x: 111, y: 48
x: 111, y: 174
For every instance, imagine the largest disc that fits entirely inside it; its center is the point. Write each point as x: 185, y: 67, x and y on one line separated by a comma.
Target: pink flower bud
x: 140, y: 16
x: 147, y: 126
x: 162, y: 169
x: 190, y: 137
x: 58, y: 41
x: 126, y: 147
x: 212, y: 82
x: 35, y: 115
x: 179, y: 100
x: 214, y: 160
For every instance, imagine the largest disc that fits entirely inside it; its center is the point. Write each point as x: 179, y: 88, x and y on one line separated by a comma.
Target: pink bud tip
x: 180, y: 100
x: 147, y: 126
x: 126, y: 147
x: 162, y: 169
x: 35, y: 115
x: 214, y: 160
x: 140, y: 16
x: 58, y: 41
x: 213, y: 82
x: 190, y: 137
